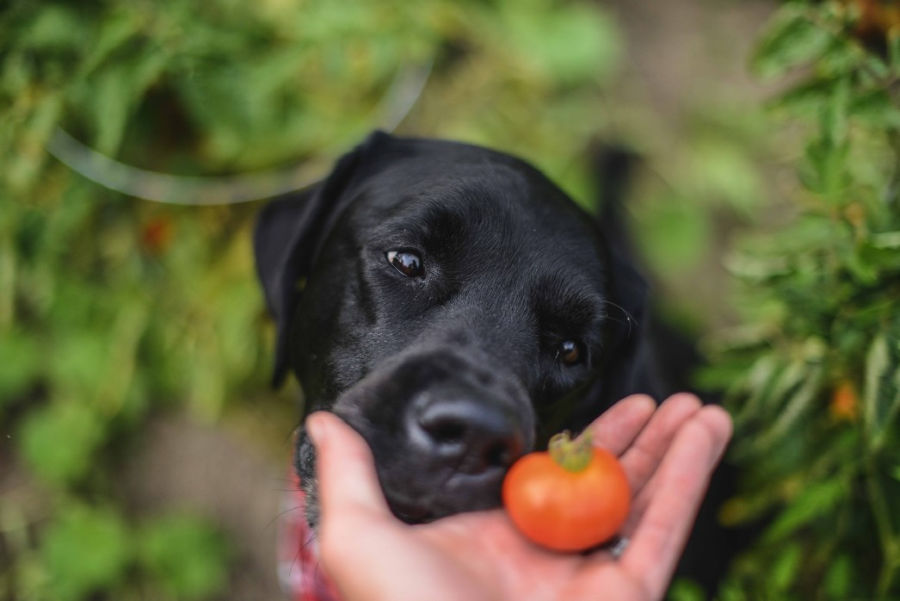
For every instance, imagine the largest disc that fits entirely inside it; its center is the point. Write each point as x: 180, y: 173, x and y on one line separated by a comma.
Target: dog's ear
x: 288, y: 233
x: 631, y: 362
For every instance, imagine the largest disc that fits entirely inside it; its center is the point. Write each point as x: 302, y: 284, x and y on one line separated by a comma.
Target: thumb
x: 345, y: 469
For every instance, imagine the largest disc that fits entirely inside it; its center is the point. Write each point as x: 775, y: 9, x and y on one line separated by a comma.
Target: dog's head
x: 454, y: 307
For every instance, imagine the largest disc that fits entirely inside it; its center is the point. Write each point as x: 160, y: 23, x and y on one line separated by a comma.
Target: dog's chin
x: 431, y: 508
x: 407, y: 511
x: 410, y: 504
x: 412, y: 513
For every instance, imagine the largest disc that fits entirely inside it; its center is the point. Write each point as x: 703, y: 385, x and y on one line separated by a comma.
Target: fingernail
x: 316, y: 429
x: 645, y: 400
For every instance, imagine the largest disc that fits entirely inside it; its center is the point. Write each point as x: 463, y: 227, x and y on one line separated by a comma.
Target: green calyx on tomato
x: 571, y: 455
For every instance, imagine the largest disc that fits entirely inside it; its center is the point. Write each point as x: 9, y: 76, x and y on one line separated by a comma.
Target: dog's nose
x: 469, y: 436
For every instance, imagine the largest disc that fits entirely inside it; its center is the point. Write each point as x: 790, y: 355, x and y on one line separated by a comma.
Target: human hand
x: 668, y: 454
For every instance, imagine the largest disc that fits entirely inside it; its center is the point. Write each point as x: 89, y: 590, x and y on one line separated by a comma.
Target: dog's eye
x: 406, y: 262
x: 569, y: 352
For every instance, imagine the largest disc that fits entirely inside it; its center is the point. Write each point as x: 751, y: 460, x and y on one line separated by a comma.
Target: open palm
x: 668, y: 454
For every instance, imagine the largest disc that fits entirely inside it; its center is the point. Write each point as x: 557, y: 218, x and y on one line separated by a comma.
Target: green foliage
x: 113, y: 309
x: 813, y: 375
x: 85, y: 550
x: 20, y: 360
x: 685, y: 590
x: 184, y: 557
x: 59, y: 441
x: 792, y: 38
x: 713, y: 178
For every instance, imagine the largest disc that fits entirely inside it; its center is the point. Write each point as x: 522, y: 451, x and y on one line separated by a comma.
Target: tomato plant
x: 569, y: 498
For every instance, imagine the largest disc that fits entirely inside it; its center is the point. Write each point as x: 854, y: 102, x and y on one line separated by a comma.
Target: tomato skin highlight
x: 564, y: 510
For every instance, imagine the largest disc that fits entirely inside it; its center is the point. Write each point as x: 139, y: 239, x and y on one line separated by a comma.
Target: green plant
x: 813, y: 374
x: 113, y: 309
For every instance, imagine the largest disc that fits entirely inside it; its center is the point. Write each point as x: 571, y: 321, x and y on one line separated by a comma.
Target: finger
x: 356, y: 524
x: 617, y: 428
x: 680, y: 485
x: 643, y: 457
x: 646, y: 495
x: 345, y: 469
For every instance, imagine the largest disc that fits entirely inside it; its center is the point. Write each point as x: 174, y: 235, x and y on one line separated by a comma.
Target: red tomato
x: 844, y: 402
x: 570, y: 498
x: 156, y: 235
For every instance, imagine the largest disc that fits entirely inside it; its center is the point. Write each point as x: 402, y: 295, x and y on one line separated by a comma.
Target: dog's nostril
x: 446, y: 431
x: 466, y: 435
x: 498, y: 455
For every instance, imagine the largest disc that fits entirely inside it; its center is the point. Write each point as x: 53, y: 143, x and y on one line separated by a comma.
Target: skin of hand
x: 668, y: 454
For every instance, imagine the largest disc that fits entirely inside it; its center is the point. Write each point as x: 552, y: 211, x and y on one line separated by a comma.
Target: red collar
x: 299, y: 570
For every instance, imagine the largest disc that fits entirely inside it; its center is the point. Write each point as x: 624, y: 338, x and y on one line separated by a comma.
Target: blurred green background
x: 142, y: 453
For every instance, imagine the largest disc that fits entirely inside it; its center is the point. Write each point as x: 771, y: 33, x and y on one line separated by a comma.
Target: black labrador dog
x: 456, y: 308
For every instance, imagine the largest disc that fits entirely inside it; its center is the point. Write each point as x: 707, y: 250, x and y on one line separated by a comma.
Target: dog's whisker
x: 630, y: 321
x: 280, y: 515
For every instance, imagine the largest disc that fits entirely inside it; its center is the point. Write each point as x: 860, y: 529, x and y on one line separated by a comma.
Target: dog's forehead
x: 478, y: 191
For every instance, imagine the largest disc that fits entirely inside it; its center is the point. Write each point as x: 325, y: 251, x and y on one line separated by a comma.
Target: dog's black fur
x: 451, y: 374
x: 457, y: 366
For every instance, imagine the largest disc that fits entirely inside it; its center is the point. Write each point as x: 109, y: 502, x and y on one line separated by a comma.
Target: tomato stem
x: 571, y: 455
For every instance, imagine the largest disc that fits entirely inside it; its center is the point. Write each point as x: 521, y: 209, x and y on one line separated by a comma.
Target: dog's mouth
x: 450, y: 496
x: 417, y: 509
x: 413, y: 514
x: 442, y: 431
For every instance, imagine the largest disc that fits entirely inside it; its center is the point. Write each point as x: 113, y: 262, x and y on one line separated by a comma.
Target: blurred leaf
x: 78, y: 358
x: 786, y: 566
x: 839, y: 577
x: 826, y: 274
x: 806, y: 97
x: 104, y: 327
x: 815, y: 501
x: 888, y: 240
x: 675, y: 235
x: 767, y: 397
x: 186, y: 557
x: 791, y: 38
x: 724, y: 173
x: 114, y: 31
x: 573, y: 42
x: 8, y: 262
x: 85, y: 550
x: 895, y: 473
x: 731, y: 591
x: 59, y: 440
x: 894, y: 49
x: 757, y: 269
x: 24, y: 163
x: 826, y: 172
x: 683, y: 589
x: 841, y: 57
x: 861, y: 266
x: 21, y: 362
x: 834, y: 116
x: 876, y: 108
x: 746, y: 508
x: 111, y: 94
x: 876, y: 65
x: 56, y: 27
x: 797, y: 406
x: 881, y: 395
